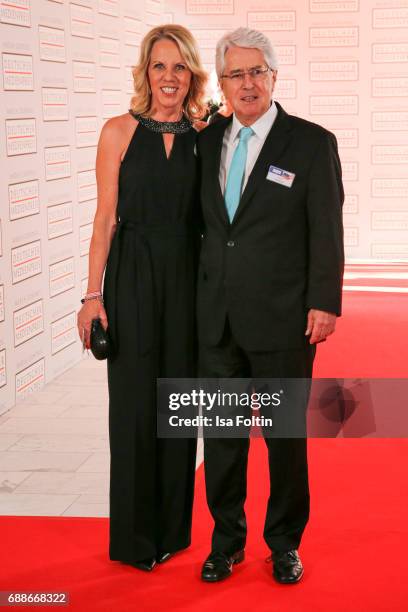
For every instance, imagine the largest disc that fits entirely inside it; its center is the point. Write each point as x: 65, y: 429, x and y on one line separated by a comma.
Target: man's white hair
x: 244, y: 37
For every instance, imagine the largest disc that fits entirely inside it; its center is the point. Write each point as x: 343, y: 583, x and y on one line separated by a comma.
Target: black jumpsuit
x: 149, y: 295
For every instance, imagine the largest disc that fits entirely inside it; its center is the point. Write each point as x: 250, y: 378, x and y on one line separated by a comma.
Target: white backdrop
x: 66, y: 69
x: 343, y: 64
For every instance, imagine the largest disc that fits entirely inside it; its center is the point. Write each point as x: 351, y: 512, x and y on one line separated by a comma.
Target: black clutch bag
x: 100, y: 341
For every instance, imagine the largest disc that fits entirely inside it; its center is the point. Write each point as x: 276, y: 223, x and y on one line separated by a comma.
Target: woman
x: 145, y: 230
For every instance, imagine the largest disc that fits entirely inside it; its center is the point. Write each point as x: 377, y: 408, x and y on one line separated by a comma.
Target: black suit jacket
x: 283, y: 253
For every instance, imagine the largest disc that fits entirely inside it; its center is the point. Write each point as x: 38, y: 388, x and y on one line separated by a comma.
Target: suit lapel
x: 219, y: 198
x: 273, y: 147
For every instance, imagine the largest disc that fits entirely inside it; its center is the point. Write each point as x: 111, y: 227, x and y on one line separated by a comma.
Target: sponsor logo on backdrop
x: 63, y: 332
x: 82, y: 21
x: 24, y: 199
x: 62, y: 276
x: 25, y: 261
x: 30, y: 379
x: 16, y: 13
x: 28, y: 322
x: 17, y: 72
x: 52, y: 44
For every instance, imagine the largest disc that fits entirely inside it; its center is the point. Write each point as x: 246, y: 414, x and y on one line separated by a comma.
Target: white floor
x: 54, y: 447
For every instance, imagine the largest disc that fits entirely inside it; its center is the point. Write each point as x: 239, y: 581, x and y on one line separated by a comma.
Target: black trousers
x: 225, y: 459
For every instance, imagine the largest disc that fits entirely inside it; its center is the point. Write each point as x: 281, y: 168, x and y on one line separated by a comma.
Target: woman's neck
x: 166, y: 114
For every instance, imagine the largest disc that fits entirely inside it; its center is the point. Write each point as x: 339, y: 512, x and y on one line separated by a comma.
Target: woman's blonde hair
x: 194, y: 105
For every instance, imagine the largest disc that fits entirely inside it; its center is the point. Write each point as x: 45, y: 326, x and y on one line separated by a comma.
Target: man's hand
x: 320, y: 324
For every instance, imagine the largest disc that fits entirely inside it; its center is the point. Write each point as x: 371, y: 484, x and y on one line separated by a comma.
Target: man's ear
x: 274, y: 75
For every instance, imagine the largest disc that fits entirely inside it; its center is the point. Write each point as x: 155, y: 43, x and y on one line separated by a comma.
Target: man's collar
x: 261, y: 126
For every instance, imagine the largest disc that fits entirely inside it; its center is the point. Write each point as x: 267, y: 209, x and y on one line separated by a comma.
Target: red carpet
x: 354, y: 549
x: 371, y: 338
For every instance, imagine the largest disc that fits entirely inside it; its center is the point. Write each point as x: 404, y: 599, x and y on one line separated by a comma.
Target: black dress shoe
x: 287, y: 566
x: 218, y: 565
x: 146, y: 565
x: 163, y: 557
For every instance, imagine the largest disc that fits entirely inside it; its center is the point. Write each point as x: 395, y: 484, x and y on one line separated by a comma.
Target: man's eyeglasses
x: 255, y: 74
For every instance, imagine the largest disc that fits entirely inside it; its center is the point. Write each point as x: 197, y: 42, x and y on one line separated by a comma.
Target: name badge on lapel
x: 283, y: 177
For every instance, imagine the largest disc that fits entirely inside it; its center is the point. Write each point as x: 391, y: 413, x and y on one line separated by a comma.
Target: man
x: 269, y: 284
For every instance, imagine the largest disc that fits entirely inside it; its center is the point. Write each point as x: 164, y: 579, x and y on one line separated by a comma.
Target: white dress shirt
x: 261, y: 128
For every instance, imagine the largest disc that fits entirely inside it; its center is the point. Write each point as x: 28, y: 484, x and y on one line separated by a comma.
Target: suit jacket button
x: 230, y: 243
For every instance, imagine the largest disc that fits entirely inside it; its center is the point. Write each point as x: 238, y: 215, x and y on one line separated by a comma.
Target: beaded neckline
x: 172, y: 127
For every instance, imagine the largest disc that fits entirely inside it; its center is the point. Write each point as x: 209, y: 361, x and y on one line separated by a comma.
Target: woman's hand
x: 200, y: 125
x: 92, y: 309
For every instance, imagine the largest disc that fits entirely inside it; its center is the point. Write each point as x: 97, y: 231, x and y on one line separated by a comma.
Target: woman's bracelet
x: 94, y: 295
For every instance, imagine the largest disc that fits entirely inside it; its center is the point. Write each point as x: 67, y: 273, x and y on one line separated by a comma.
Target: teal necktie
x: 236, y: 172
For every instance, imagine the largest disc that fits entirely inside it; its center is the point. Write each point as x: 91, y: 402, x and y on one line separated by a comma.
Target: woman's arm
x: 107, y: 174
x: 112, y: 143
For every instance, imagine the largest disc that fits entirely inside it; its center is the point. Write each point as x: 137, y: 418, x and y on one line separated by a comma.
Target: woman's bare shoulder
x: 119, y: 126
x: 117, y: 131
